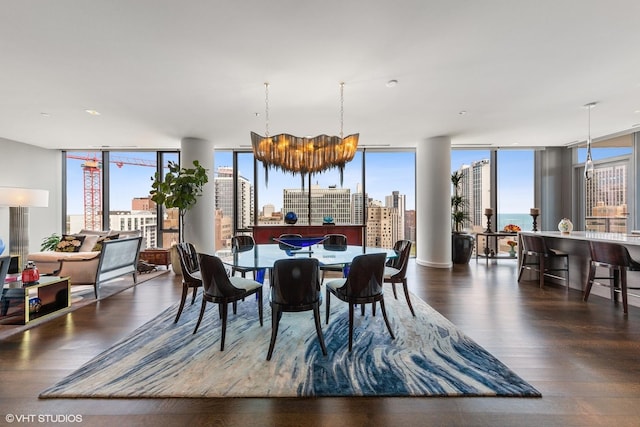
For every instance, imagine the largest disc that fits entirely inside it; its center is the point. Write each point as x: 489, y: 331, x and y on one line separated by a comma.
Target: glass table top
x: 265, y: 255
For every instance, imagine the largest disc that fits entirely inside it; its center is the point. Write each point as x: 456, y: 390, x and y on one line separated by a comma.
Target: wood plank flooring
x: 583, y: 357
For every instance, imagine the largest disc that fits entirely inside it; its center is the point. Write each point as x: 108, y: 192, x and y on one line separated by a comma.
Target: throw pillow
x: 89, y: 242
x: 98, y: 245
x: 70, y: 243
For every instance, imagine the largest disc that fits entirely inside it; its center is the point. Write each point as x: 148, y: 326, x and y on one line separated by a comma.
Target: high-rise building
x: 397, y: 202
x: 475, y: 189
x: 224, y: 197
x: 331, y: 201
x: 358, y: 204
x: 380, y: 223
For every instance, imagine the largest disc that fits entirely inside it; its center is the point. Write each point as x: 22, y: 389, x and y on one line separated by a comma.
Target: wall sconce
x: 19, y: 201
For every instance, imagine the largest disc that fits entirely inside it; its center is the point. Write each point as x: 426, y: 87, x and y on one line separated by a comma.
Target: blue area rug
x: 429, y: 357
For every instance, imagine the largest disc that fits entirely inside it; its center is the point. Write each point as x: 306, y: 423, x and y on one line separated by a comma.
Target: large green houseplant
x: 179, y: 188
x: 462, y: 243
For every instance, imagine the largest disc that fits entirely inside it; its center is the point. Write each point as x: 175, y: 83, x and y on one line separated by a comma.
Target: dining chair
x: 615, y: 257
x: 333, y: 242
x: 395, y: 270
x: 295, y: 288
x: 537, y: 256
x: 363, y: 285
x: 191, y: 278
x: 285, y: 246
x: 221, y: 289
x: 242, y: 243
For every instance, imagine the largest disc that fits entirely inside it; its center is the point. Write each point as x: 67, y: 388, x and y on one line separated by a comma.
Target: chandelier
x: 304, y: 155
x: 588, y: 165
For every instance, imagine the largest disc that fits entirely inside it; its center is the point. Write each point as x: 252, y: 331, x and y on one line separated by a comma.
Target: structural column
x: 433, y: 202
x: 199, y: 221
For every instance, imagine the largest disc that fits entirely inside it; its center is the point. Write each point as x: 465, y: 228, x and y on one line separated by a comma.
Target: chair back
x: 365, y: 276
x: 403, y: 249
x: 4, y: 267
x: 296, y: 282
x: 242, y: 243
x: 534, y: 244
x: 612, y: 254
x: 335, y: 242
x: 189, y: 263
x: 215, y: 281
x: 285, y: 246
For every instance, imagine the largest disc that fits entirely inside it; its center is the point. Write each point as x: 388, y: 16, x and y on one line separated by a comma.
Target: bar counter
x: 576, y: 244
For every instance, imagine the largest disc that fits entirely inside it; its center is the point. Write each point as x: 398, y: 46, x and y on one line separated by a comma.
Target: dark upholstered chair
x: 295, y: 287
x: 221, y: 289
x: 395, y: 270
x: 538, y: 257
x: 363, y: 285
x: 191, y: 278
x: 242, y: 243
x: 284, y: 246
x: 333, y: 242
x: 617, y: 260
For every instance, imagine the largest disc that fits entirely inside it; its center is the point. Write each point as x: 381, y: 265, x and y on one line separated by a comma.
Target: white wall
x: 28, y: 166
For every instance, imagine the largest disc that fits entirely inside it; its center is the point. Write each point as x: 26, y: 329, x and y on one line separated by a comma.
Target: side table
x: 53, y: 293
x: 486, y: 251
x: 156, y: 256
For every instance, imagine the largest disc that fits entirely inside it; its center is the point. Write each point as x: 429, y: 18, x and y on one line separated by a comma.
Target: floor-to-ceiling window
x: 389, y: 198
x: 500, y: 182
x: 608, y: 197
x: 83, y: 191
x: 110, y: 190
x: 315, y: 199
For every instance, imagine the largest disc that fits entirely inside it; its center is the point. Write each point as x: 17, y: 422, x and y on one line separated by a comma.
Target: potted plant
x: 179, y: 188
x: 50, y: 243
x: 462, y: 243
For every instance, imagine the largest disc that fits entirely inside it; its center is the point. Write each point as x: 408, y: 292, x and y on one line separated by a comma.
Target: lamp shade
x: 24, y: 197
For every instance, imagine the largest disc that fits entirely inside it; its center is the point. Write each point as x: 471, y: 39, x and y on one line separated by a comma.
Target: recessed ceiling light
x: 93, y: 112
x: 462, y: 113
x: 392, y: 83
x: 637, y: 111
x: 43, y: 114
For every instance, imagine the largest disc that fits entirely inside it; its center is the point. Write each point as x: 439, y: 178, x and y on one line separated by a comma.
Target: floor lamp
x: 19, y: 201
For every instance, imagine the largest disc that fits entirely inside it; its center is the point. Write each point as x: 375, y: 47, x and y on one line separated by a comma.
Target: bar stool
x: 616, y: 258
x: 535, y: 246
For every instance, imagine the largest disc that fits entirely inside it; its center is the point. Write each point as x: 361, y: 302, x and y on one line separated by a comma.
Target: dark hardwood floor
x: 583, y: 357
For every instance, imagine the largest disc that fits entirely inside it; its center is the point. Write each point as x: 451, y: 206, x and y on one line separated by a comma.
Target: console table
x: 486, y: 252
x: 266, y: 233
x: 53, y: 292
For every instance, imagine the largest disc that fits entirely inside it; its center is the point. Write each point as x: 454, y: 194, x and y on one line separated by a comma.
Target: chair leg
x: 193, y: 297
x: 327, y: 300
x: 362, y: 309
x: 316, y: 318
x: 522, y: 264
x: 393, y: 287
x: 259, y: 295
x: 623, y: 288
x: 386, y: 320
x: 542, y: 269
x: 587, y: 288
x: 275, y: 321
x: 183, y: 299
x: 614, y: 274
x: 351, y: 308
x: 204, y: 303
x: 225, y: 309
x: 406, y: 295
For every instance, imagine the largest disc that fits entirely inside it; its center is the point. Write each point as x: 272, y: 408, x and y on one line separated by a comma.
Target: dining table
x: 262, y: 256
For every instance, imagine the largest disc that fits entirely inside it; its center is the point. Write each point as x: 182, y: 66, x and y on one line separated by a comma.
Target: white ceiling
x: 161, y: 70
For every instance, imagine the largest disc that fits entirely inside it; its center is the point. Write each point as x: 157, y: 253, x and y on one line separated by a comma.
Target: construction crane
x: 92, y: 173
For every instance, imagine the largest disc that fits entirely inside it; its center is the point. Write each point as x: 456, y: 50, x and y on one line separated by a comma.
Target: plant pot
x: 175, y: 260
x: 461, y: 247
